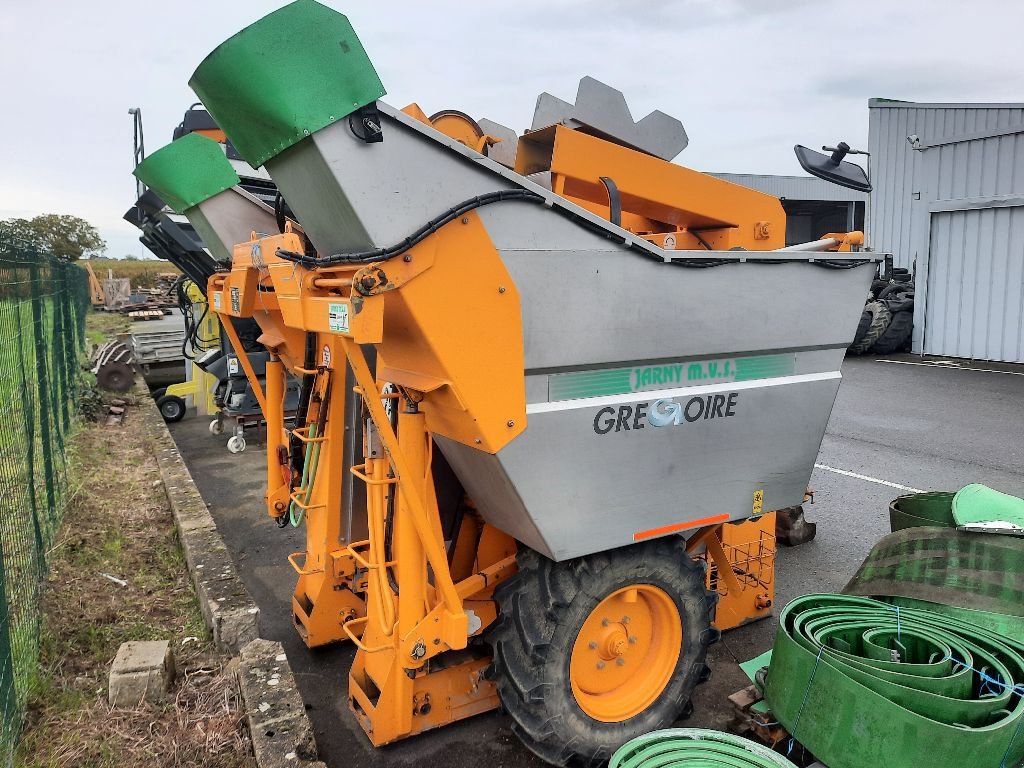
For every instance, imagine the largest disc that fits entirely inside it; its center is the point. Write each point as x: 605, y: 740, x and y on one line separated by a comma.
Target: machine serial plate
x: 337, y: 318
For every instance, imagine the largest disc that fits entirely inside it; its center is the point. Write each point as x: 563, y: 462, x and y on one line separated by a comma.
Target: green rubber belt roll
x: 864, y: 684
x: 977, y: 577
x: 695, y: 748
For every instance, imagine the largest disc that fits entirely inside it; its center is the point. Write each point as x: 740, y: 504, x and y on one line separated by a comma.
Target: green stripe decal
x: 293, y: 72
x: 618, y: 381
x: 187, y: 172
x: 569, y: 386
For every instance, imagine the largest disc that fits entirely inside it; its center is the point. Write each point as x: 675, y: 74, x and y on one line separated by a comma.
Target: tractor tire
x: 172, y: 408
x: 896, y: 335
x: 862, y: 327
x: 577, y: 676
x: 891, y: 290
x: 880, y: 318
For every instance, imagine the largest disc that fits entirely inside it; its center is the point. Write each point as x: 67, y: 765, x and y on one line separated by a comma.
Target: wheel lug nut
x: 625, y: 619
x: 632, y: 638
x: 620, y: 661
x: 600, y: 665
x: 605, y: 622
x: 592, y: 645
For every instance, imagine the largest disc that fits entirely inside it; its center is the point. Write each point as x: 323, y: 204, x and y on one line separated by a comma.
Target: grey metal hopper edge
x: 228, y: 218
x: 659, y: 397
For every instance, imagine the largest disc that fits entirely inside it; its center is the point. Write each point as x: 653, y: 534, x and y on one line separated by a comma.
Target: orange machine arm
x: 657, y: 198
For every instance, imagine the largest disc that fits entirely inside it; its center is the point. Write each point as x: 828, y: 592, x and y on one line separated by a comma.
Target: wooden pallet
x: 755, y: 721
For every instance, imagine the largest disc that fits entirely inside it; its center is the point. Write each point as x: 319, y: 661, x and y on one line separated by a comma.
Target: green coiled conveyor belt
x: 695, y: 748
x: 866, y: 684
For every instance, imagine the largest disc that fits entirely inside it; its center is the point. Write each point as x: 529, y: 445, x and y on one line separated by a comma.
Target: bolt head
x: 407, y: 258
x: 605, y: 622
x: 600, y: 665
x: 465, y: 219
x: 632, y: 639
x: 501, y: 289
x: 592, y: 645
x: 620, y: 661
x: 510, y: 423
x: 625, y: 619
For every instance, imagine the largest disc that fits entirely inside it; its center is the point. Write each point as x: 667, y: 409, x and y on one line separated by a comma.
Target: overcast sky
x: 748, y: 78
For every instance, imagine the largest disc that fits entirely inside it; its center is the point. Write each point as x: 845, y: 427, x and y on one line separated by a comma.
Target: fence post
x: 45, y: 391
x: 59, y: 284
x: 8, y: 694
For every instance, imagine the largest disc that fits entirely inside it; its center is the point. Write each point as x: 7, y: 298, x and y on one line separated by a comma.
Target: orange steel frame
x: 455, y: 375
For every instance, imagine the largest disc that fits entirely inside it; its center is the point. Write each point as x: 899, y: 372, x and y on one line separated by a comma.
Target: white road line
x: 857, y: 476
x: 951, y: 367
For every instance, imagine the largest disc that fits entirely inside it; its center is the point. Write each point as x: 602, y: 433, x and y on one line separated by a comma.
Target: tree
x: 66, y: 237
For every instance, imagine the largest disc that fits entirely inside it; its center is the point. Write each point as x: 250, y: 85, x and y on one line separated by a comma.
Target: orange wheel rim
x: 625, y: 653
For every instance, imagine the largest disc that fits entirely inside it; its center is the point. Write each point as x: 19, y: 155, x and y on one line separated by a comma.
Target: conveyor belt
x: 864, y: 683
x: 695, y: 748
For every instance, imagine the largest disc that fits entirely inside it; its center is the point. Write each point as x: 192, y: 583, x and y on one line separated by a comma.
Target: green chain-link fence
x: 43, y: 303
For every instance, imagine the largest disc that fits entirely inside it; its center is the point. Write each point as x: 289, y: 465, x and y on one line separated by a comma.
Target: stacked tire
x: 887, y: 322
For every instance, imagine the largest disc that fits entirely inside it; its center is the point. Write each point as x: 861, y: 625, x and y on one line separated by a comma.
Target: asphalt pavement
x: 904, y: 424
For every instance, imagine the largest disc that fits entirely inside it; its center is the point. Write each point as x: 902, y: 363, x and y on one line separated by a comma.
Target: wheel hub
x: 625, y: 653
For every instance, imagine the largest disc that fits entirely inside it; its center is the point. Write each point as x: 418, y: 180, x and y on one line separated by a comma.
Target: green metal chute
x: 860, y: 682
x: 187, y: 172
x: 695, y: 748
x: 978, y: 504
x: 282, y: 78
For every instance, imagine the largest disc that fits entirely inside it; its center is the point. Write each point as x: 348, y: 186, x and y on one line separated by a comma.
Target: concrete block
x: 143, y: 670
x: 280, y: 730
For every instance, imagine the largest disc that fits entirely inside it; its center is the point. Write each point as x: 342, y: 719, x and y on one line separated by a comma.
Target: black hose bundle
x: 314, y: 261
x: 193, y: 340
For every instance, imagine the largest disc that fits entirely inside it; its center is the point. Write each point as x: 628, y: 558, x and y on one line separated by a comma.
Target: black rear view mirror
x: 833, y: 168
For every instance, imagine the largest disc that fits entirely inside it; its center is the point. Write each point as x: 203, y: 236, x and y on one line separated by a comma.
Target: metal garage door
x: 976, y: 284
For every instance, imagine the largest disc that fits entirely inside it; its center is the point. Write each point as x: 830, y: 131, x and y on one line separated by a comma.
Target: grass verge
x: 118, y: 523
x: 102, y: 326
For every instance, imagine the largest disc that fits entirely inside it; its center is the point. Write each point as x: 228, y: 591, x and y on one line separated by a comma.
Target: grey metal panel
x: 663, y: 312
x: 603, y: 109
x: 229, y: 218
x: 897, y: 170
x: 975, y: 285
x: 963, y: 221
x: 793, y: 187
x: 590, y: 303
x: 566, y: 490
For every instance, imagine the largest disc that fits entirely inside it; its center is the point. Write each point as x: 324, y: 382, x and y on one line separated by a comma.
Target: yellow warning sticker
x: 758, y: 501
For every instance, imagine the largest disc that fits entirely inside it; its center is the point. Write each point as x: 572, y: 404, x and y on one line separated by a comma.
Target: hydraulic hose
x: 862, y: 683
x: 309, y: 465
x: 313, y: 261
x: 695, y: 748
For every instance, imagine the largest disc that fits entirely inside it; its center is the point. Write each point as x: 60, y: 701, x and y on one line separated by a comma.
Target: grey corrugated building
x: 813, y: 207
x: 948, y: 202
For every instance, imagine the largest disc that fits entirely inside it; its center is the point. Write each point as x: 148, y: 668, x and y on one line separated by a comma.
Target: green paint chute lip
x: 187, y: 172
x: 290, y: 74
x: 978, y: 504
